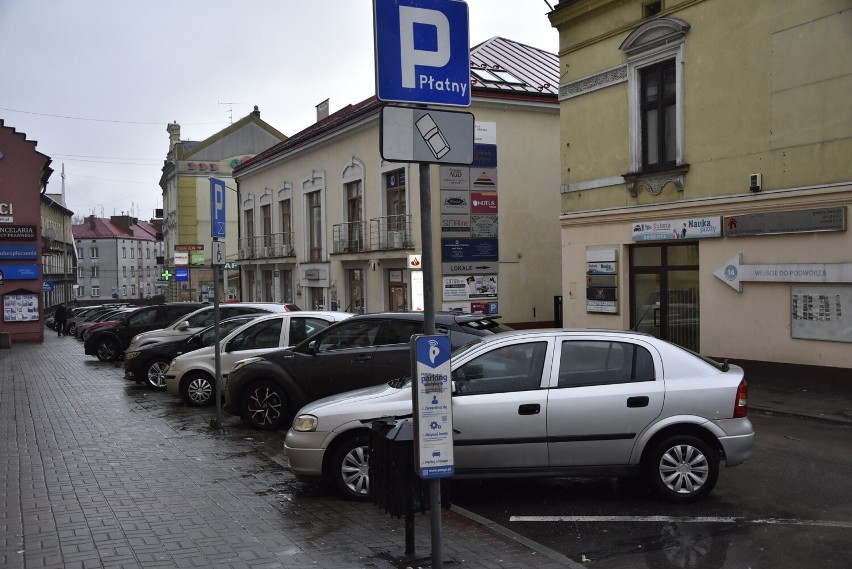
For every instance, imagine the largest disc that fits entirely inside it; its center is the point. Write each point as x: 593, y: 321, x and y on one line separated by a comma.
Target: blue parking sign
x: 217, y: 208
x: 422, y: 51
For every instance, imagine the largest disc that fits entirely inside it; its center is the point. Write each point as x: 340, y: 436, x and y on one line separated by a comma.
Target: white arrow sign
x: 734, y: 273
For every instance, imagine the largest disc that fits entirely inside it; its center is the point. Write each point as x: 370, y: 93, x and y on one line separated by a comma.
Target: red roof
x: 125, y: 227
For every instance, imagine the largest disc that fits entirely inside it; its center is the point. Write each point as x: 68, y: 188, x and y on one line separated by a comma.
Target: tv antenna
x: 230, y: 110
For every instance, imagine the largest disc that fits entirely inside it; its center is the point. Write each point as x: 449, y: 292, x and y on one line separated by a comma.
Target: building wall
x: 528, y: 267
x: 765, y: 89
x: 23, y: 173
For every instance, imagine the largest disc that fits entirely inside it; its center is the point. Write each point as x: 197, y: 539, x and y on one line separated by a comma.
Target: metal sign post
x: 217, y: 231
x: 423, y: 57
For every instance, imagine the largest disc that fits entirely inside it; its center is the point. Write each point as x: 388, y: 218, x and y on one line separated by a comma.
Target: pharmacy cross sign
x: 166, y: 275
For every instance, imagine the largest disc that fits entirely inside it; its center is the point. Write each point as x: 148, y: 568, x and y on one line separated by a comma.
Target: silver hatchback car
x: 554, y: 403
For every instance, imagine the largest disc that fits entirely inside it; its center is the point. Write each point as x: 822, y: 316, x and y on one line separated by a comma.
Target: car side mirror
x: 312, y: 348
x: 183, y: 325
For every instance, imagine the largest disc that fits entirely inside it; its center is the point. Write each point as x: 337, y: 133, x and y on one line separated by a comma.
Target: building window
x: 94, y: 253
x: 124, y: 252
x: 80, y: 253
x: 95, y: 271
x: 658, y: 104
x: 655, y: 52
x: 286, y: 226
x: 124, y: 271
x: 96, y: 291
x: 355, y: 216
x: 147, y: 253
x: 81, y: 291
x: 652, y: 8
x: 132, y: 271
x: 132, y: 252
x: 314, y: 205
x: 81, y: 272
x: 395, y: 197
x: 266, y: 219
x: 250, y: 244
x: 123, y: 290
x: 132, y: 290
x: 139, y: 249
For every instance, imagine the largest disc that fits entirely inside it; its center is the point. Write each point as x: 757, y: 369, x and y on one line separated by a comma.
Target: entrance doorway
x: 664, y: 292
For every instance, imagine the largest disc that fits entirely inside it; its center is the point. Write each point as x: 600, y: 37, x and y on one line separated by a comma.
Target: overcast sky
x: 95, y: 82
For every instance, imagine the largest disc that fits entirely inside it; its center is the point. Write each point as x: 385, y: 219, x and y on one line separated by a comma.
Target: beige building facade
x: 185, y: 184
x: 705, y: 176
x: 327, y: 223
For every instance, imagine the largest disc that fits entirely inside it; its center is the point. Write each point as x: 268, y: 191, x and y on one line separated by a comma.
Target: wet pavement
x: 98, y: 472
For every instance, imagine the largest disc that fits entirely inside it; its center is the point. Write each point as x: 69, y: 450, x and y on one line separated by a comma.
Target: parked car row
x: 525, y: 403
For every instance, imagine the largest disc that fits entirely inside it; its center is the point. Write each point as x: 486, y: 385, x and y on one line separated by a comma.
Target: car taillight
x: 741, y: 402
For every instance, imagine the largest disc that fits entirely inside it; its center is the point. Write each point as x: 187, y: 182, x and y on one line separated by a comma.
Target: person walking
x: 60, y: 318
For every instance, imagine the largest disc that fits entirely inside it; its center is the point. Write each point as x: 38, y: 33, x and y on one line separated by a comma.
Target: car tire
x: 155, y: 374
x: 72, y: 330
x: 348, y: 468
x: 107, y: 350
x: 266, y: 405
x: 199, y: 389
x: 683, y: 468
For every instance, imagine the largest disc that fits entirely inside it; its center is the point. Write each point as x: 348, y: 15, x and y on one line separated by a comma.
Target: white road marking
x: 683, y: 520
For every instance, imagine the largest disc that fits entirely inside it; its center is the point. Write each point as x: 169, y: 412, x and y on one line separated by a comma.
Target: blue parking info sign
x: 433, y: 406
x: 422, y: 51
x: 217, y: 208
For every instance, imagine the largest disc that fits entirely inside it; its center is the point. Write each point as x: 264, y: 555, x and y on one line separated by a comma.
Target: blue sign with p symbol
x: 217, y: 208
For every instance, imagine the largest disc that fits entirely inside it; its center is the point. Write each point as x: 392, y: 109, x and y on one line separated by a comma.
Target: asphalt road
x: 789, y: 506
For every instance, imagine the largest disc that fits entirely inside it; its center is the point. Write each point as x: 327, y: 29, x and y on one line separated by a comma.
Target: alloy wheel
x: 265, y: 406
x: 684, y: 469
x: 199, y: 390
x: 157, y: 374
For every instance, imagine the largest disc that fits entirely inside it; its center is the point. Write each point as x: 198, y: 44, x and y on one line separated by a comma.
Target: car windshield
x: 205, y: 337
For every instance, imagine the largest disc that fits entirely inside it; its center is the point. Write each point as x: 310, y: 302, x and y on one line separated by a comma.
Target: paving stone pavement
x: 98, y: 472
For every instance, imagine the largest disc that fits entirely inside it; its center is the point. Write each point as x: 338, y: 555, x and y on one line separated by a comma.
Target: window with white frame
x: 81, y: 290
x: 94, y: 252
x: 95, y: 271
x: 655, y: 52
x: 286, y: 211
x: 96, y: 291
x: 80, y: 253
x: 81, y: 271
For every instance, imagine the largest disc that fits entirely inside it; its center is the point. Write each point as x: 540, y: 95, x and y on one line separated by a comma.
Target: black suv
x: 109, y: 343
x: 358, y: 352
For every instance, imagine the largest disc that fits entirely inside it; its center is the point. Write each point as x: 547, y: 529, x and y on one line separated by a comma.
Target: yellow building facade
x: 705, y: 176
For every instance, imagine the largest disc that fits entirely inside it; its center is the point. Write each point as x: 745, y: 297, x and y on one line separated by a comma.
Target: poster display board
x: 20, y: 307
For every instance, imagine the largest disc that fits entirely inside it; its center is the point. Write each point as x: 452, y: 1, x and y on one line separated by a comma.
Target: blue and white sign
x: 422, y: 51
x: 181, y: 274
x: 19, y: 272
x: 18, y: 252
x: 217, y: 208
x: 433, y: 406
x: 47, y: 286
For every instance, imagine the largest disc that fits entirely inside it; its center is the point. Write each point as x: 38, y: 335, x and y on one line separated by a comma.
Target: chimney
x: 122, y: 221
x: 174, y: 134
x: 322, y: 110
x: 92, y: 222
x: 256, y: 111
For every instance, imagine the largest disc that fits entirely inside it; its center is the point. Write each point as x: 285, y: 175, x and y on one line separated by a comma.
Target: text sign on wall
x: 18, y: 252
x: 692, y: 228
x: 817, y: 313
x: 775, y: 222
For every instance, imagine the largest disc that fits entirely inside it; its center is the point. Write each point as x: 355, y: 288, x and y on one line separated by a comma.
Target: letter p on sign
x: 410, y: 55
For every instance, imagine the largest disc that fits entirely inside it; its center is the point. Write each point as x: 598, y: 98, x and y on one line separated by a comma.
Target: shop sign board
x: 776, y: 222
x: 483, y: 226
x: 455, y: 226
x: 483, y: 202
x: 469, y: 250
x: 181, y: 258
x: 455, y: 178
x: 454, y: 201
x: 189, y: 247
x: 18, y: 252
x: 691, y: 228
x: 477, y: 268
x: 484, y: 179
x: 18, y: 232
x: 470, y: 287
x: 484, y: 156
x: 19, y: 272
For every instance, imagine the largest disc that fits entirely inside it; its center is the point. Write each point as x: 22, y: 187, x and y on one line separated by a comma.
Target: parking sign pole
x: 429, y: 329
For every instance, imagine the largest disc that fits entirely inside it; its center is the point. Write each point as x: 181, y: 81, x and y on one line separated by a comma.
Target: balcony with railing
x: 275, y: 245
x: 349, y: 238
x: 390, y: 232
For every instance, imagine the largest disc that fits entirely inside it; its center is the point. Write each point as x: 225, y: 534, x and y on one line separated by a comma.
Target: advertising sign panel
x: 693, y: 228
x: 469, y: 250
x: 470, y: 287
x: 483, y: 202
x: 433, y: 406
x: 18, y: 252
x: 17, y: 232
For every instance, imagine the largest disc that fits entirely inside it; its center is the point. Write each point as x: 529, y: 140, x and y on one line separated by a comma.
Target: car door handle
x: 529, y: 409
x: 637, y: 401
x: 362, y: 358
